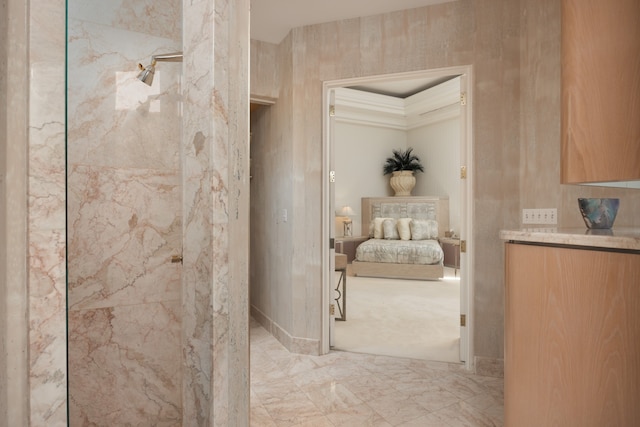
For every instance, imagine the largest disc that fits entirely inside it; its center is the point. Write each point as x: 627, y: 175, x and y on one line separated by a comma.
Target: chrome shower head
x: 146, y: 73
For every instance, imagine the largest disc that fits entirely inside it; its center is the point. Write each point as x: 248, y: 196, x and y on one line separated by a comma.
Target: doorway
x: 414, y: 81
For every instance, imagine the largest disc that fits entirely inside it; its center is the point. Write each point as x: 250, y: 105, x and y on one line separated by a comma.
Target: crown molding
x: 430, y: 106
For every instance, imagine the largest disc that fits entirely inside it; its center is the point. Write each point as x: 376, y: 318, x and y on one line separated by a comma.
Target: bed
x: 417, y: 255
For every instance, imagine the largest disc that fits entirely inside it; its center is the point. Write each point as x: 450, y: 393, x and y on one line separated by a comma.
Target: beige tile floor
x: 352, y: 390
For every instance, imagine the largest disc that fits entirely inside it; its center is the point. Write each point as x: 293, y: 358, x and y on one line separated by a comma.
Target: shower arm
x: 167, y: 57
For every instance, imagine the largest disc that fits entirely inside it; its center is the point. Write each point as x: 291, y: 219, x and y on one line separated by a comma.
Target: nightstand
x: 348, y: 245
x: 451, y: 248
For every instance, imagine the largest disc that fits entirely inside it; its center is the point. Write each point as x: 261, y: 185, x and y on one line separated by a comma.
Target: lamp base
x: 347, y: 228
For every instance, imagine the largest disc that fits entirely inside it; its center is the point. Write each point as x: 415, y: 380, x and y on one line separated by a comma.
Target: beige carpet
x: 402, y: 318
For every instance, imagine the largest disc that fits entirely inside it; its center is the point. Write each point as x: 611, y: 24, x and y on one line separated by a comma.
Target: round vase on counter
x: 598, y: 213
x: 402, y: 182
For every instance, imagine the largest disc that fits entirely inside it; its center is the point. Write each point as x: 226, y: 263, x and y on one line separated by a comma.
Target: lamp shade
x: 345, y: 211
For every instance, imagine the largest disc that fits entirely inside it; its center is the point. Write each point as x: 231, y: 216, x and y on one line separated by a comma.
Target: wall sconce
x: 346, y: 212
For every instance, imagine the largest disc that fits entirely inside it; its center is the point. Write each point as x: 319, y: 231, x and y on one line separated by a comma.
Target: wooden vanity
x: 572, y: 328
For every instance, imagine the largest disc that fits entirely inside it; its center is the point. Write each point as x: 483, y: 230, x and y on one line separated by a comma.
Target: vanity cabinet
x: 572, y: 336
x: 600, y: 91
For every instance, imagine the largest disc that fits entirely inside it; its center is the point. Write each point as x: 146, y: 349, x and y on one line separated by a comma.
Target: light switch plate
x: 540, y: 216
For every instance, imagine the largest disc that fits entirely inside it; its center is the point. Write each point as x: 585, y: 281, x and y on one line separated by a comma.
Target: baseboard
x: 261, y: 318
x: 296, y: 345
x: 489, y: 367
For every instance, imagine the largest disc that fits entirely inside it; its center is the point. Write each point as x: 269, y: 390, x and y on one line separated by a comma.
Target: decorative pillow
x: 423, y: 229
x: 404, y: 228
x: 390, y: 230
x: 378, y: 233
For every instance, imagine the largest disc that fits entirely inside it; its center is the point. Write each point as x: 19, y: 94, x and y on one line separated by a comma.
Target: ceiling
x: 271, y: 20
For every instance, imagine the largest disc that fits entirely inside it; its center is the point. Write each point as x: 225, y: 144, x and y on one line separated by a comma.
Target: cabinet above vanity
x: 600, y: 92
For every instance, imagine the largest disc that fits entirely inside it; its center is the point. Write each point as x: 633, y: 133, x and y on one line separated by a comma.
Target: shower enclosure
x: 124, y: 214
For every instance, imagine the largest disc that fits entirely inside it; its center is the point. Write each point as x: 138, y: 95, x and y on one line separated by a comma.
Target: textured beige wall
x: 264, y: 75
x: 3, y: 204
x: 540, y: 131
x: 271, y: 186
x: 3, y: 210
x: 484, y: 34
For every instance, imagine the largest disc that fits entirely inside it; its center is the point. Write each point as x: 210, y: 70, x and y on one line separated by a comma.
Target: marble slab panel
x: 47, y: 303
x: 133, y: 15
x: 124, y: 365
x: 46, y: 354
x: 114, y: 119
x: 124, y: 226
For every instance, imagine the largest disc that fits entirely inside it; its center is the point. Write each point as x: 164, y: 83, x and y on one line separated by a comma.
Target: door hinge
x: 463, y: 246
x: 463, y: 172
x: 463, y: 98
x: 332, y: 176
x: 332, y: 310
x: 332, y: 110
x: 463, y: 320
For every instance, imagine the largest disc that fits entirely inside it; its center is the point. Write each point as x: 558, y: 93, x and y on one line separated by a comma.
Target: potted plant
x: 402, y: 165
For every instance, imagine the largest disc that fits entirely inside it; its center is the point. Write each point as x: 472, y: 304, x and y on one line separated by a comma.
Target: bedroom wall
x: 438, y: 146
x: 482, y: 33
x: 360, y: 151
x: 369, y: 126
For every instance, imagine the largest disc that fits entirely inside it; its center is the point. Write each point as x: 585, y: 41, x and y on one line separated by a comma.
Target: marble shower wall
x: 216, y: 199
x: 35, y: 192
x: 14, y: 367
x: 124, y: 214
x: 46, y: 288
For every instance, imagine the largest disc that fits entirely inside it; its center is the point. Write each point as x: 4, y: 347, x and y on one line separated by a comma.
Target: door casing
x: 466, y: 190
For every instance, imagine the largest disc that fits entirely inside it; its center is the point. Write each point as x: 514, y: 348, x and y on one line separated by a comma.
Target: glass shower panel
x: 123, y: 213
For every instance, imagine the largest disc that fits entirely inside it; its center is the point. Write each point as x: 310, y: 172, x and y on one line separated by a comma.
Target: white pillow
x: 389, y: 229
x: 404, y: 228
x: 423, y: 229
x: 377, y: 228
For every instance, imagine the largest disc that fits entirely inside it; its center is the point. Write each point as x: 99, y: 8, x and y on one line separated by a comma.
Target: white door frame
x: 466, y: 159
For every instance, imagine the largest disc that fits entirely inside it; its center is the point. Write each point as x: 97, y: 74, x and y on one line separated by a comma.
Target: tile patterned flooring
x: 351, y: 390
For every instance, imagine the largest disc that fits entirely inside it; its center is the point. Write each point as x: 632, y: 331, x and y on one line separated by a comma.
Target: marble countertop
x: 616, y: 238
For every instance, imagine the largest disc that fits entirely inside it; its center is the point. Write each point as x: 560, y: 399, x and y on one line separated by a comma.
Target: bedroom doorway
x: 334, y: 202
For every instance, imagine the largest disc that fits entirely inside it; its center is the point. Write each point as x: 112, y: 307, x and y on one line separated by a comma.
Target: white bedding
x: 425, y: 252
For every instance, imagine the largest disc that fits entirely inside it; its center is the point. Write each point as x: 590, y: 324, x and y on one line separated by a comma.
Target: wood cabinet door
x: 600, y: 91
x: 572, y: 337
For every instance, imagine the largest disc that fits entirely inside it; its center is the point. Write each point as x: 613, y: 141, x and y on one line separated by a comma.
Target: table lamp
x: 346, y: 212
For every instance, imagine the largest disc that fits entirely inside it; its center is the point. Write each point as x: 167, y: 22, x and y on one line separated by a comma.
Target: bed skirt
x: 398, y: 271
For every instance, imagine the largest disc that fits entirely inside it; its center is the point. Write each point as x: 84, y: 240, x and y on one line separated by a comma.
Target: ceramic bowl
x: 599, y: 213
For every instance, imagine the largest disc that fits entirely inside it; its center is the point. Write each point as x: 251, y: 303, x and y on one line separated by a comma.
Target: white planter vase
x: 402, y: 182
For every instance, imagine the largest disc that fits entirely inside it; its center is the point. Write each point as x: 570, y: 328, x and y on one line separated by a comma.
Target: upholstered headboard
x: 416, y: 207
